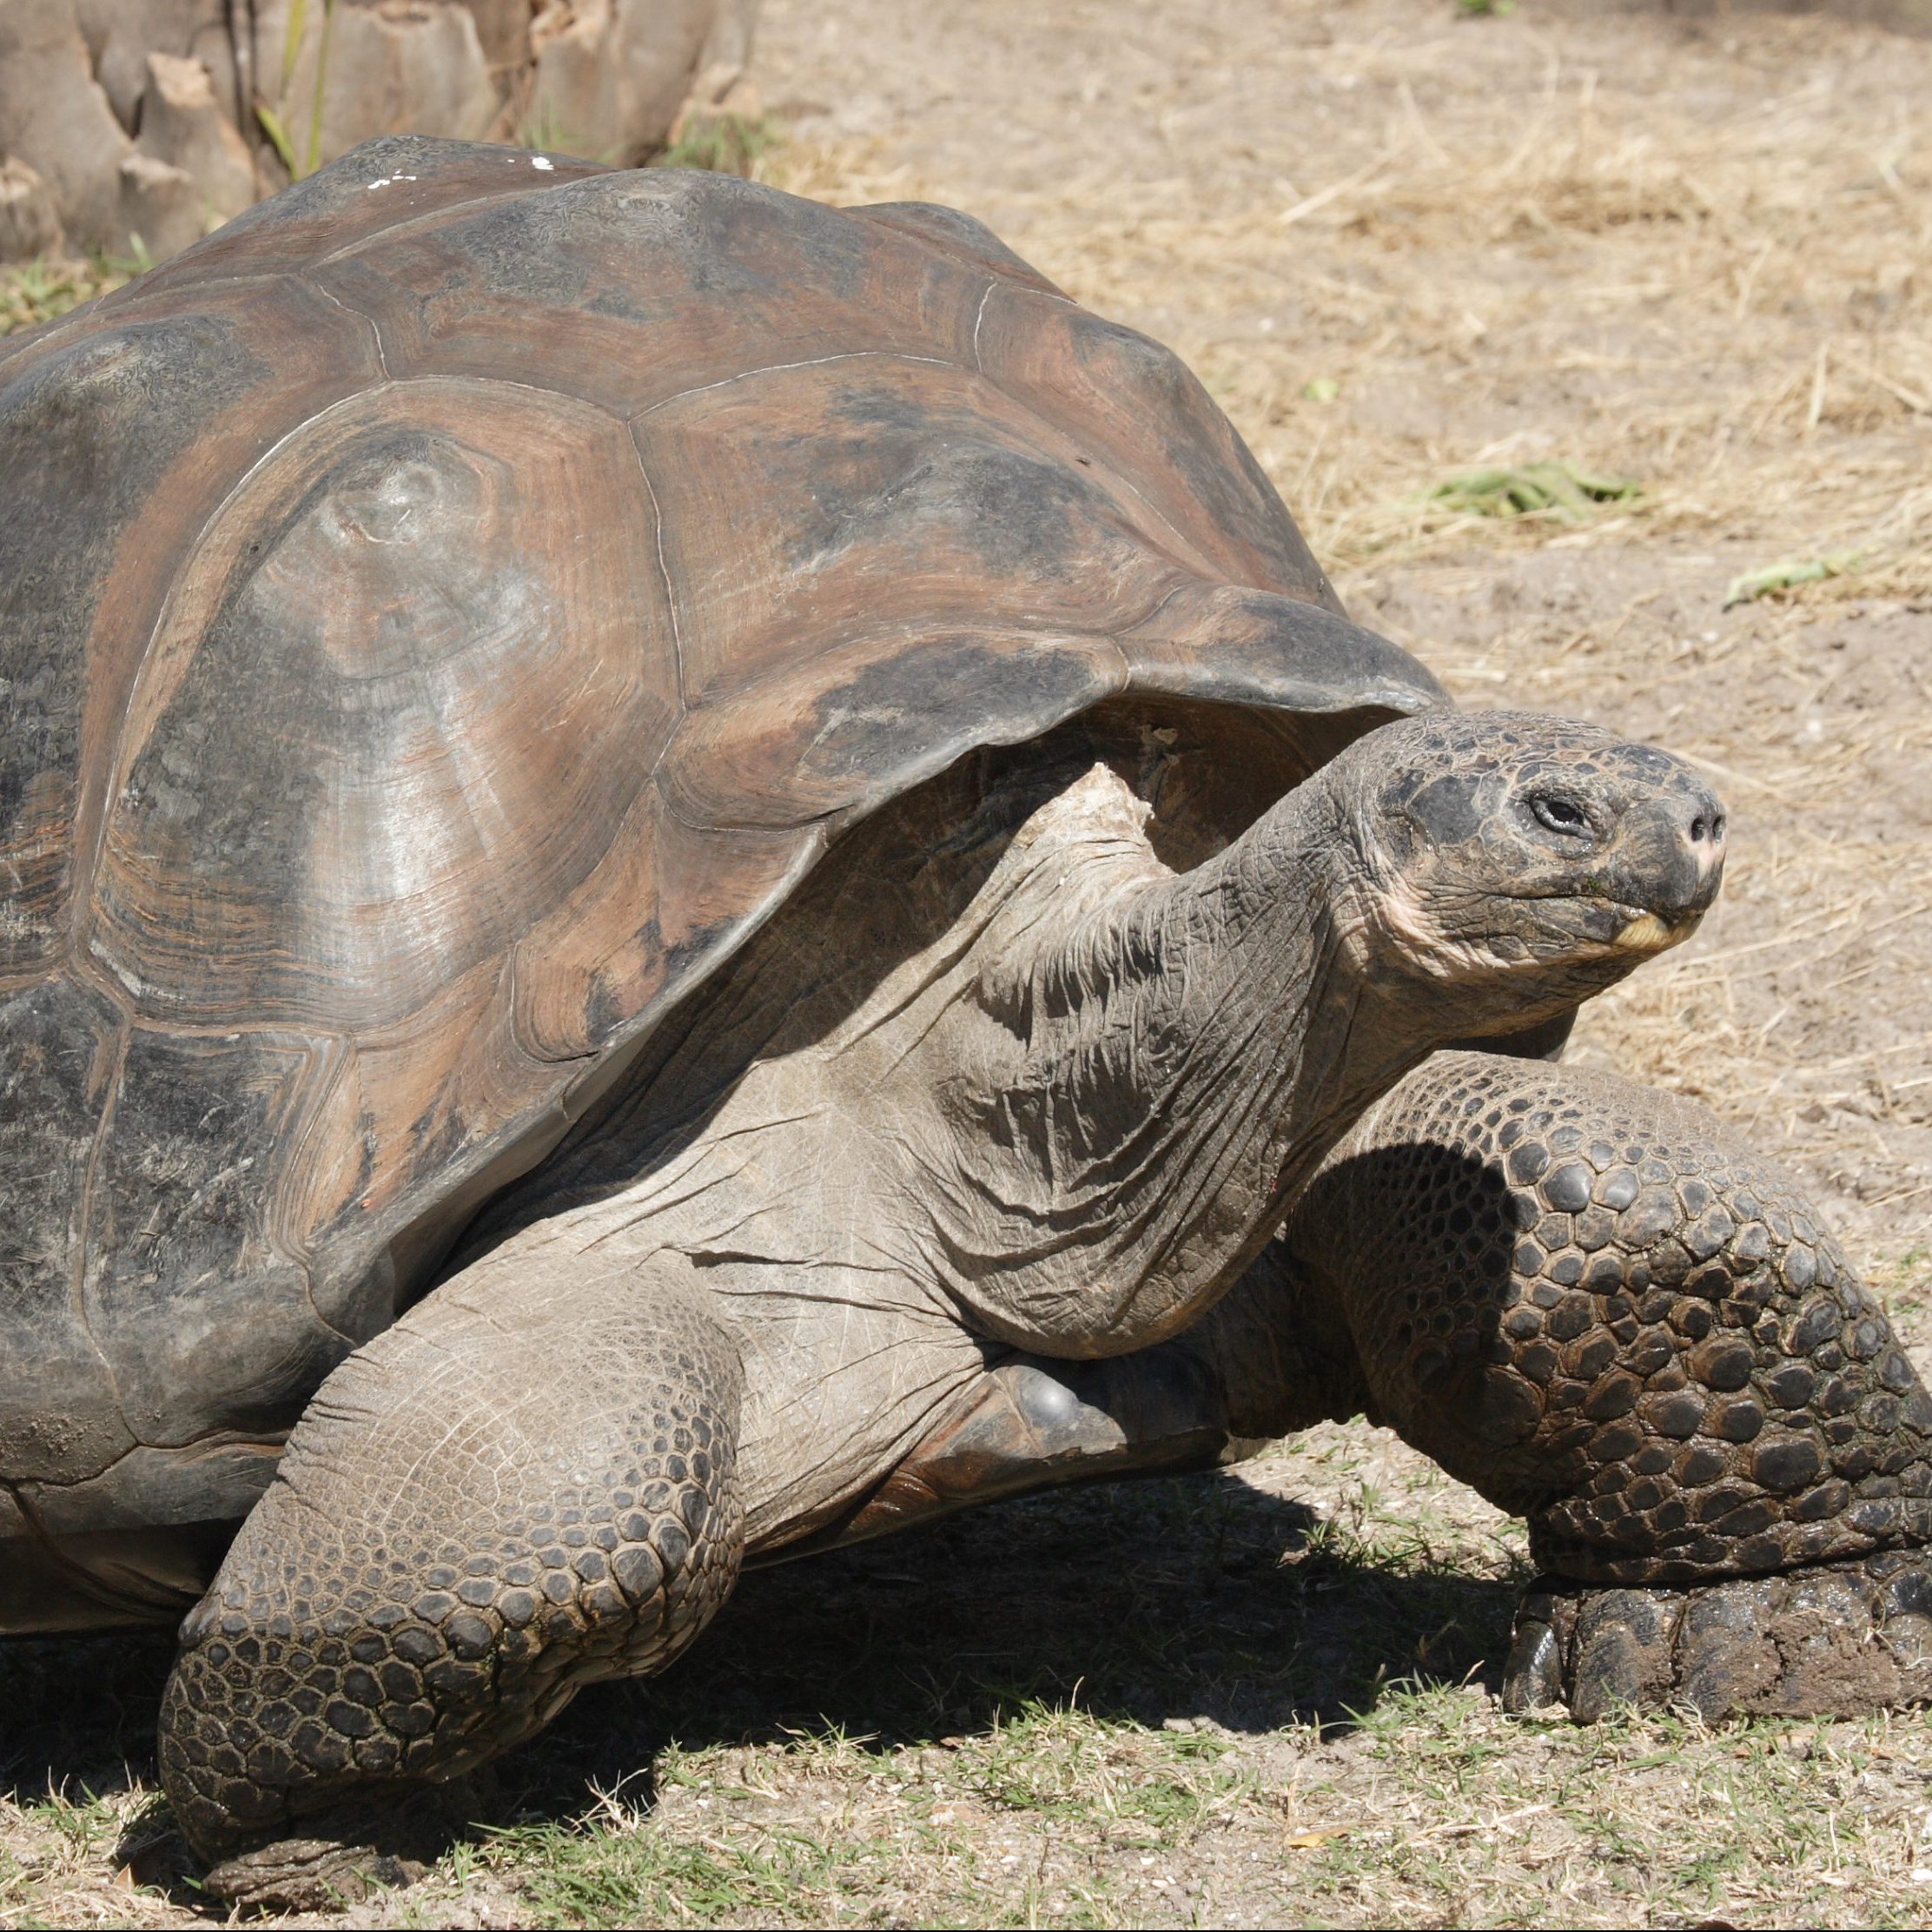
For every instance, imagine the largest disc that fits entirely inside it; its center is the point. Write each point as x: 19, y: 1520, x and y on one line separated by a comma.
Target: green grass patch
x: 36, y: 292
x: 826, y: 1829
x: 1072, y: 1766
x: 578, y: 1876
x: 721, y: 144
x: 1556, y: 490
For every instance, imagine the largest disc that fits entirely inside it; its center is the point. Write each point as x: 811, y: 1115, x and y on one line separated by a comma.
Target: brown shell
x: 440, y: 616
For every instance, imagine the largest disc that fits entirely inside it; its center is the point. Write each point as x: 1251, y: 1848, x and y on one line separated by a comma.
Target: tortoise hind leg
x: 1271, y: 1357
x: 1582, y: 1298
x: 521, y: 1488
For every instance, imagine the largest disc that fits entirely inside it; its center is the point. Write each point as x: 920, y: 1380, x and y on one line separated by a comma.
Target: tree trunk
x: 136, y: 126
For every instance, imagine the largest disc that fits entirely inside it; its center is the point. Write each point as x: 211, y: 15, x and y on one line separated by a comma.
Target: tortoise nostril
x: 1705, y: 827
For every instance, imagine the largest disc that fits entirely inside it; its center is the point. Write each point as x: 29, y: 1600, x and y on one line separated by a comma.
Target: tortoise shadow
x: 1176, y: 1600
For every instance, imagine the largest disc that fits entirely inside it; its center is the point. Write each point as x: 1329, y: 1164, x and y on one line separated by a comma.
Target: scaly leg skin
x: 518, y: 1489
x: 1584, y: 1299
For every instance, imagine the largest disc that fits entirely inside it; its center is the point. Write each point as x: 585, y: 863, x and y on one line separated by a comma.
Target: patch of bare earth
x: 1400, y: 244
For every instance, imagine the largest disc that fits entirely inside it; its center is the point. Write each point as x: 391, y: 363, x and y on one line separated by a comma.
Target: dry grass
x: 1753, y: 285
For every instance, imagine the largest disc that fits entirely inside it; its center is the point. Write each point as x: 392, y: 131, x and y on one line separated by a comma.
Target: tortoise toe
x: 1829, y: 1640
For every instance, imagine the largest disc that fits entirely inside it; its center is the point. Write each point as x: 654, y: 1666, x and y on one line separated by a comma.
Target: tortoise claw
x: 1837, y: 1640
x: 345, y: 1855
x: 1533, y: 1679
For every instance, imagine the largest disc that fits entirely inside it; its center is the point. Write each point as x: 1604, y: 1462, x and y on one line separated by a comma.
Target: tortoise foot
x: 344, y: 1855
x: 308, y: 1875
x: 1837, y: 1640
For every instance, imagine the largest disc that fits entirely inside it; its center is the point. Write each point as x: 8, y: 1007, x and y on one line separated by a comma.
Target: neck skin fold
x: 1141, y: 1069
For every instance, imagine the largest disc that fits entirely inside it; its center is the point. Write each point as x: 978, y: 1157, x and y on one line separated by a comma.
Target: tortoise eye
x: 1564, y: 817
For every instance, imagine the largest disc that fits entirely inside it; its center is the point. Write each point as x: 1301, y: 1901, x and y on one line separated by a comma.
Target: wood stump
x: 136, y: 126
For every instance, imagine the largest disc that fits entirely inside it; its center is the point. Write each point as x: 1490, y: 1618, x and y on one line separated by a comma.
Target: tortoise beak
x: 1647, y: 934
x: 1671, y: 864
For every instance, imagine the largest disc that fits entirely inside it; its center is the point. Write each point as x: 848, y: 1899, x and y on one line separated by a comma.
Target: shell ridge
x: 348, y: 308
x: 779, y: 369
x: 83, y: 1219
x: 956, y: 237
x: 116, y: 299
x: 979, y: 319
x: 95, y: 802
x: 331, y: 1055
x: 533, y: 1050
x: 669, y: 592
x: 19, y: 346
x: 429, y: 219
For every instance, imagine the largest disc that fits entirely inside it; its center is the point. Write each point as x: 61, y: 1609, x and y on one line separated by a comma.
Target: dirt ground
x: 1400, y: 240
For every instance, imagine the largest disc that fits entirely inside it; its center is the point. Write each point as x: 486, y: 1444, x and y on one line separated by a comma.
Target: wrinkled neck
x: 1149, y: 1067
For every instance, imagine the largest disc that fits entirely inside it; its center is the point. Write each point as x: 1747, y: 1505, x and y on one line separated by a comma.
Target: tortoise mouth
x: 1641, y: 931
x: 1645, y: 931
x: 1624, y: 910
x: 1613, y: 928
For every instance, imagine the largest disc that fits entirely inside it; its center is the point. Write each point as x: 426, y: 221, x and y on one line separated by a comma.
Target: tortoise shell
x: 445, y: 612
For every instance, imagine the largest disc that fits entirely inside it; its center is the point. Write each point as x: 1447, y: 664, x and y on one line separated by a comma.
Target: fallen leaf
x: 1788, y: 575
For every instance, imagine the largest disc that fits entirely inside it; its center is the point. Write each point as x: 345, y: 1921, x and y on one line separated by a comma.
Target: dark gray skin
x: 1067, y: 1126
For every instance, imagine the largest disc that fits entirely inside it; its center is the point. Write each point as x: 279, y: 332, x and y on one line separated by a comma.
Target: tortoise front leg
x: 522, y: 1488
x: 1584, y: 1299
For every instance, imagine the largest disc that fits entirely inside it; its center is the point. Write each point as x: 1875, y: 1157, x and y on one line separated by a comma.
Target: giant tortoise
x: 688, y: 877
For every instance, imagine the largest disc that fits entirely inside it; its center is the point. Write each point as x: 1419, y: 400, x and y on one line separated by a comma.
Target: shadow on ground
x: 1188, y: 1598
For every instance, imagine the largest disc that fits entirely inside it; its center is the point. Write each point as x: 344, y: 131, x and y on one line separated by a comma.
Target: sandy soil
x: 1690, y: 249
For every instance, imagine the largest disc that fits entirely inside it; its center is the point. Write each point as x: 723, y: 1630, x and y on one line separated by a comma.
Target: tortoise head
x: 1511, y: 848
